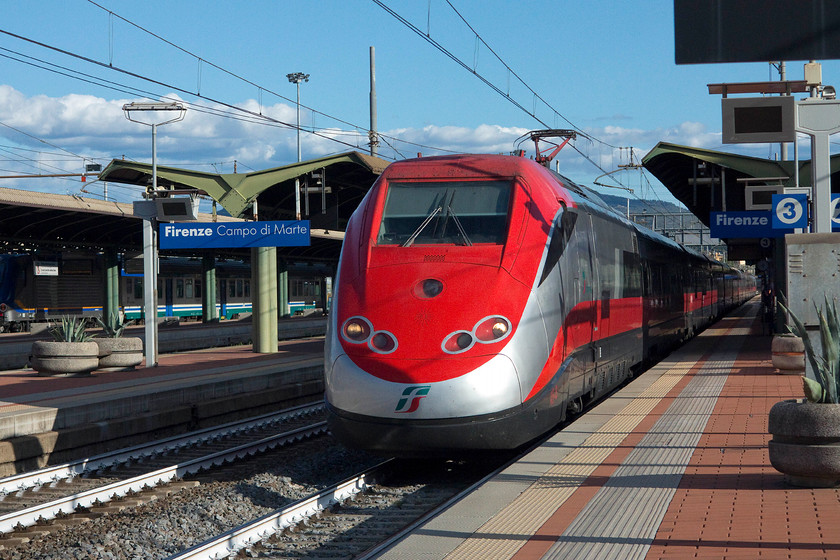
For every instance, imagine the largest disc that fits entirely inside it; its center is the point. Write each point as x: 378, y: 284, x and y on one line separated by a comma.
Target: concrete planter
x: 806, y: 442
x: 788, y: 353
x: 120, y: 353
x: 64, y: 358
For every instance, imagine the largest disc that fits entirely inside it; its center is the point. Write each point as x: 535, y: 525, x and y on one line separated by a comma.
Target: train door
x: 168, y: 298
x: 222, y: 295
x: 580, y: 304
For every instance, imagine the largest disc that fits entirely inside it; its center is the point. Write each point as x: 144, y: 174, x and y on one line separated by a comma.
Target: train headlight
x: 428, y: 288
x: 458, y: 342
x: 488, y: 330
x: 383, y: 342
x: 356, y: 330
x: 491, y: 329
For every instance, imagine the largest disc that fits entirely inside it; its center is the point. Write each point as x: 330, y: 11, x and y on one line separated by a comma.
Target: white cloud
x: 95, y: 127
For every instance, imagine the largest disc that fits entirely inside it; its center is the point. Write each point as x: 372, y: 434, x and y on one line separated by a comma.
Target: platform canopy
x: 707, y: 181
x: 336, y: 184
x: 694, y: 175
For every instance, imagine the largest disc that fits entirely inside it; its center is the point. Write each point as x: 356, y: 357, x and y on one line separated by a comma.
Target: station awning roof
x: 707, y: 181
x: 346, y: 178
x: 31, y: 220
x: 688, y: 172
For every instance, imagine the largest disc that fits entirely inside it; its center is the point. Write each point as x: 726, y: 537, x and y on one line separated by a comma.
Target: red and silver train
x: 481, y: 298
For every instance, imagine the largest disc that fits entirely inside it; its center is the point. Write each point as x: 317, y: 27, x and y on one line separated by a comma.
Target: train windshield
x: 452, y: 212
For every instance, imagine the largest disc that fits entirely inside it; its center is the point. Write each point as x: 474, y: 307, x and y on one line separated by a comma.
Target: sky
x: 497, y: 70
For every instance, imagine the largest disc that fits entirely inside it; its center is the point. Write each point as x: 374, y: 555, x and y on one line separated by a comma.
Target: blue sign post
x: 835, y: 212
x: 790, y: 211
x: 217, y: 235
x: 750, y: 224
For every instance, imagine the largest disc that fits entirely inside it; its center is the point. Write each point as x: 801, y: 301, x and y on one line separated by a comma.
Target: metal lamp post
x: 149, y: 227
x: 296, y: 78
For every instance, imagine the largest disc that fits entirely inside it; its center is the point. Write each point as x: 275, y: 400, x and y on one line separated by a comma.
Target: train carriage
x: 38, y: 289
x: 481, y: 298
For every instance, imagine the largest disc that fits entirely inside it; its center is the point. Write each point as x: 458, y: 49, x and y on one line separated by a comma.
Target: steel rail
x: 261, y: 528
x: 32, y: 515
x: 52, y: 475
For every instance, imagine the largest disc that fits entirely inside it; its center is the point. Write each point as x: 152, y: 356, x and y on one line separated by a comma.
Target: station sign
x: 835, y: 212
x: 790, y: 211
x: 750, y: 224
x: 219, y: 235
x: 45, y: 268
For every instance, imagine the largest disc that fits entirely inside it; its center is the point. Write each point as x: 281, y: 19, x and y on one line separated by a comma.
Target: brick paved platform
x: 673, y: 466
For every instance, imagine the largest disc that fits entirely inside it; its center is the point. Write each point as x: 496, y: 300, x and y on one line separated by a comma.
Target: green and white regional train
x: 39, y: 289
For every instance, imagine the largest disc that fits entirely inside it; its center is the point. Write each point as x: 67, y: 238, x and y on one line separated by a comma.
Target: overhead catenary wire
x: 234, y: 112
x: 428, y: 38
x: 239, y: 113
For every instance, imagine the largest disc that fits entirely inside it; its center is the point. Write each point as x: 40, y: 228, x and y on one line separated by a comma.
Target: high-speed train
x: 481, y: 298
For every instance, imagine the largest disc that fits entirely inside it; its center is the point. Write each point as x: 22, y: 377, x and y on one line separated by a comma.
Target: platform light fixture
x: 296, y: 78
x: 150, y: 223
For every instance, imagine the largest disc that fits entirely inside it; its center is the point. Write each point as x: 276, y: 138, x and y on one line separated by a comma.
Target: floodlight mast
x: 296, y: 78
x: 150, y: 255
x: 130, y: 108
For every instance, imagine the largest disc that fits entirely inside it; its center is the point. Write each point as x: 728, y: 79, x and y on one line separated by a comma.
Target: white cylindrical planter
x: 788, y: 352
x: 64, y: 358
x: 120, y: 353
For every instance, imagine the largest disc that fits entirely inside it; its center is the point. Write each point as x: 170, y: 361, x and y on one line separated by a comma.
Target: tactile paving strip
x: 643, y: 484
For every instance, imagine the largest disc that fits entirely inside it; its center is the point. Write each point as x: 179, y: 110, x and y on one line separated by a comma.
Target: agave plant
x: 70, y: 329
x: 826, y: 365
x: 113, y: 328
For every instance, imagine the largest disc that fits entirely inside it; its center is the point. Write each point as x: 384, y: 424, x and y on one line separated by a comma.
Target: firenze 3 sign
x: 217, y: 235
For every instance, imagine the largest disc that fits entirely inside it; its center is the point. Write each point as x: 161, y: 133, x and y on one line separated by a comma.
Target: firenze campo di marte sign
x: 217, y: 235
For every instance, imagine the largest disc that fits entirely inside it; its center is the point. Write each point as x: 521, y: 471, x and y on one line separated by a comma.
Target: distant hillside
x: 619, y: 203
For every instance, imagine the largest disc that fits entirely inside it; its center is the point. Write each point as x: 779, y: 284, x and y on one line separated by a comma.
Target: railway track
x: 34, y: 498
x: 315, y: 515
x: 355, y: 518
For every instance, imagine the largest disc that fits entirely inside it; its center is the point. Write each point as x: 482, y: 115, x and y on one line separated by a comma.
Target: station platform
x: 673, y: 466
x: 51, y: 420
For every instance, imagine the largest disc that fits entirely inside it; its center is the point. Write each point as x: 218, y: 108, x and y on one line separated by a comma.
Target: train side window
x: 179, y: 288
x: 138, y: 288
x: 188, y: 288
x: 198, y: 287
x: 129, y: 286
x: 239, y: 289
x: 563, y: 227
x: 247, y: 289
x: 231, y: 288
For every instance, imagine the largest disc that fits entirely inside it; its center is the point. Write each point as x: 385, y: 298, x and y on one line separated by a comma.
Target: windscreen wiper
x: 461, y: 230
x: 408, y: 242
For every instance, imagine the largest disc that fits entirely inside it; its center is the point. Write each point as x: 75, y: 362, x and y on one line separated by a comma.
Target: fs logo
x: 412, y: 395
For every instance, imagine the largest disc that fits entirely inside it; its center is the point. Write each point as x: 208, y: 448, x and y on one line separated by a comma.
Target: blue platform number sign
x: 835, y: 212
x: 790, y: 211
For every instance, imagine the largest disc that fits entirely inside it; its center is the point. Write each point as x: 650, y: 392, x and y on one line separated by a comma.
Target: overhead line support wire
x: 163, y: 84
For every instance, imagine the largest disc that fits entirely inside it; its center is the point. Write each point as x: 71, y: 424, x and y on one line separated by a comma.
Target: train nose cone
x: 490, y: 388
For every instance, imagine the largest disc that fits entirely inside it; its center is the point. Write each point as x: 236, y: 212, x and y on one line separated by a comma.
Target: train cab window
x: 451, y: 212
